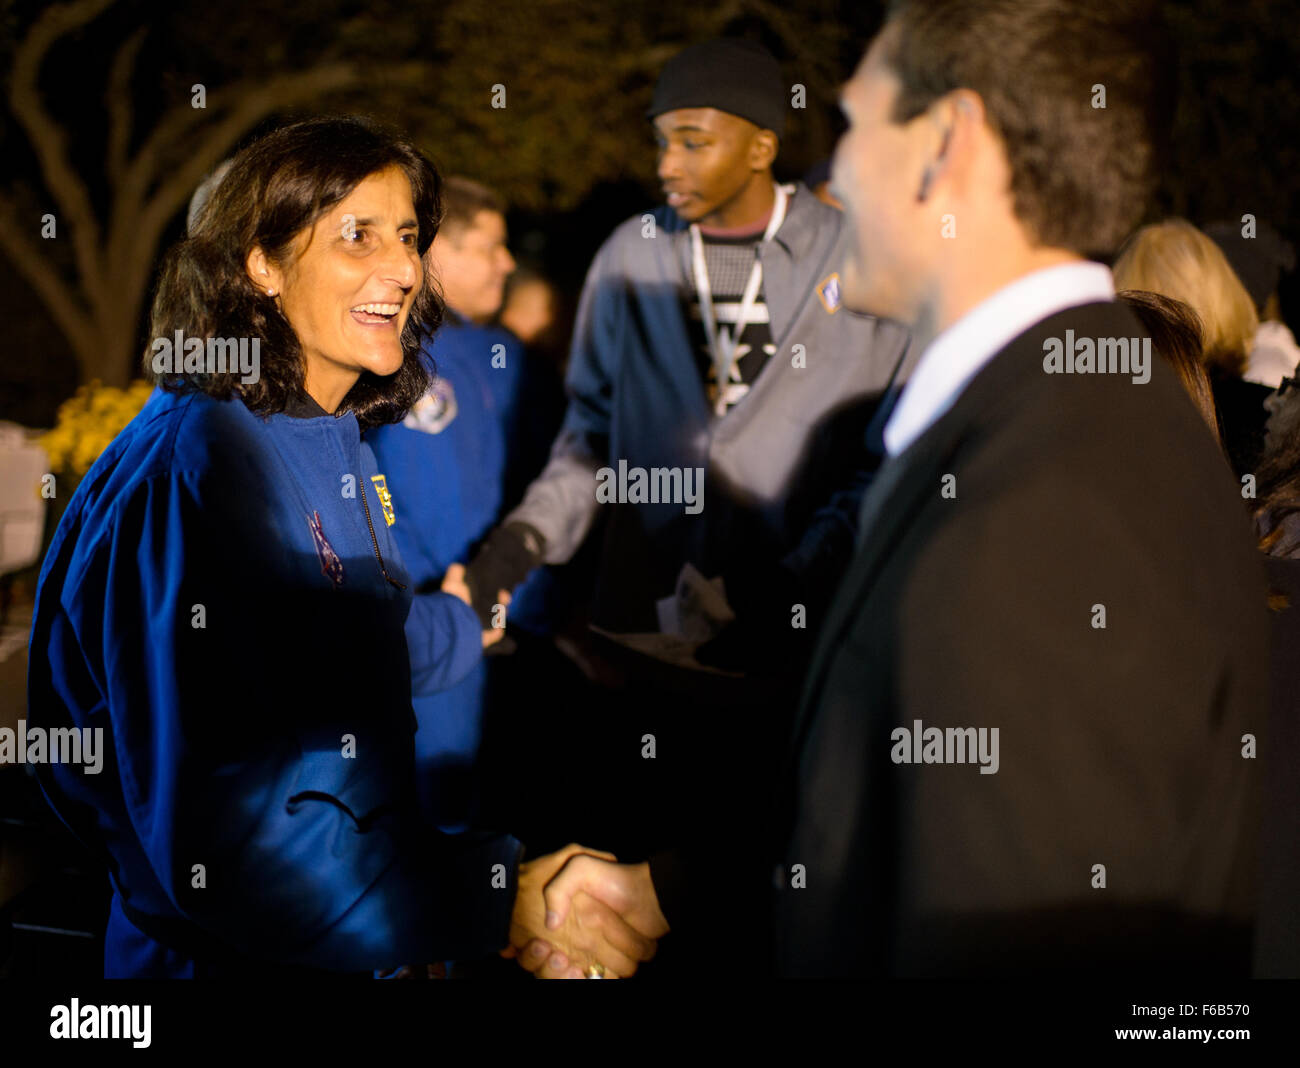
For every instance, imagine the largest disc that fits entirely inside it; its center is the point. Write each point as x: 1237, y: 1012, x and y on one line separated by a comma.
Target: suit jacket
x: 1118, y: 827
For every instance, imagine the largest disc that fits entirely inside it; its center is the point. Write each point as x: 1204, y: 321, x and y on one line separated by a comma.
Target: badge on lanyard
x: 722, y: 346
x: 385, y: 498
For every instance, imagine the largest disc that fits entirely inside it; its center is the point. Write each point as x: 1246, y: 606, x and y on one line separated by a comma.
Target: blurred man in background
x: 1260, y: 256
x: 446, y: 465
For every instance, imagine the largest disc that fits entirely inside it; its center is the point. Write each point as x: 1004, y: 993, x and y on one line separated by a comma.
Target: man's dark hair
x: 462, y: 200
x: 1080, y: 176
x: 276, y: 188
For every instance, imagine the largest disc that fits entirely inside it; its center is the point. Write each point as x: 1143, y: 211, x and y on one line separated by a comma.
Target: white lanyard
x: 722, y: 347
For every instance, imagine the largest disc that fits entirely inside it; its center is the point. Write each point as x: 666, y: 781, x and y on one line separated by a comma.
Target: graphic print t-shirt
x: 730, y: 256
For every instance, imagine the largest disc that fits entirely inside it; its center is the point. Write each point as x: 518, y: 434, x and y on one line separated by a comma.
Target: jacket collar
x: 797, y: 232
x: 302, y: 406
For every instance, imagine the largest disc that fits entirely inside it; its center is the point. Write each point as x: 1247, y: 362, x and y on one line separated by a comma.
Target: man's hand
x: 624, y: 889
x: 504, y: 560
x: 453, y: 582
x: 588, y: 932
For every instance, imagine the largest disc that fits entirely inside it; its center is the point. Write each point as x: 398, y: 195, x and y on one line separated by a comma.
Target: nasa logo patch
x: 330, y: 564
x: 829, y: 293
x: 434, y: 411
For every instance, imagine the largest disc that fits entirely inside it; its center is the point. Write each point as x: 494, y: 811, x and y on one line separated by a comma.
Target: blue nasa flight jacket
x: 445, y: 462
x: 446, y: 465
x: 215, y: 599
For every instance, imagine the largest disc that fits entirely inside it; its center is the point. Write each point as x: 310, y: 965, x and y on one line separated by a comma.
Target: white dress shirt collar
x: 953, y: 358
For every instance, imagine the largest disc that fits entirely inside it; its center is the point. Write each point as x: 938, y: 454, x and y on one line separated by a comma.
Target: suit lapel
x: 897, y: 493
x: 905, y: 482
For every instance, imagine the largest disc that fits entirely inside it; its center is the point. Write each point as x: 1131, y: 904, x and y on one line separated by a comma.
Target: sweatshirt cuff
x: 484, y: 899
x: 669, y: 873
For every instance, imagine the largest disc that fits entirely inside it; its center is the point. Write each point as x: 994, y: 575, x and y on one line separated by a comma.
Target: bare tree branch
x: 115, y: 259
x: 810, y: 59
x: 49, y: 141
x: 250, y: 101
x: 47, y: 281
x: 254, y: 99
x: 117, y: 102
x: 153, y: 193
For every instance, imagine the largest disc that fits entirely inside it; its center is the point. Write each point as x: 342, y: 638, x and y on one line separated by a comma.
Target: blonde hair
x: 1175, y: 259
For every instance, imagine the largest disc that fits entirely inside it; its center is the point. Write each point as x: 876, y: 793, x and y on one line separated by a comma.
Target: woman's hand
x: 589, y: 934
x: 453, y: 582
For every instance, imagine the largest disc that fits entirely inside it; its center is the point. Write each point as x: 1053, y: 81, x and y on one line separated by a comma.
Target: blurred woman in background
x: 1175, y: 259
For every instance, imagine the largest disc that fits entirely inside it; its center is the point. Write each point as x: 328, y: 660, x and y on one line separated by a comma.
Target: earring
x: 924, y: 191
x: 928, y: 176
x: 270, y: 292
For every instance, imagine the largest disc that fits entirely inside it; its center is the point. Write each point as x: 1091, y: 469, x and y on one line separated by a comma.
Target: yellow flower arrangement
x: 88, y: 421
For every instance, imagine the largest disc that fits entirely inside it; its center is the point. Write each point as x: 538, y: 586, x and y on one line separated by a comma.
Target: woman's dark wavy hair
x: 1177, y: 335
x: 278, y: 186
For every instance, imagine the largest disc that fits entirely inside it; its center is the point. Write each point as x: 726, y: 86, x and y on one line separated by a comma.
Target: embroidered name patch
x: 829, y: 293
x: 385, y: 498
x: 330, y: 564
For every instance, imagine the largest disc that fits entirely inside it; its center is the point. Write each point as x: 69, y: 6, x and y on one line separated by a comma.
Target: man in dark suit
x: 1022, y: 745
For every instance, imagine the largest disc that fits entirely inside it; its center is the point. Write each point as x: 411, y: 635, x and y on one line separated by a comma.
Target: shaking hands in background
x: 579, y: 913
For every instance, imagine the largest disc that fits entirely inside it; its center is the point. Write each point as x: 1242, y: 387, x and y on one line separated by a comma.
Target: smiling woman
x: 349, y: 285
x: 312, y: 242
x: 225, y: 600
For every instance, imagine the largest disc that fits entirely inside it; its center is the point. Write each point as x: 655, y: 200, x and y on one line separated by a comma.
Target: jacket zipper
x: 375, y: 541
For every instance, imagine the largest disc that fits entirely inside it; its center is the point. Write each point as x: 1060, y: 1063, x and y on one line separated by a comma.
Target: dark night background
x: 571, y: 150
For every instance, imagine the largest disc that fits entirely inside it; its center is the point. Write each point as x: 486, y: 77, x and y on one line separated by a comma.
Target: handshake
x: 578, y: 913
x: 504, y: 560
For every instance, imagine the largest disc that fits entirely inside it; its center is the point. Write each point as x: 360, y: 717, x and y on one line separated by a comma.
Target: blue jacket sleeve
x: 263, y: 744
x: 445, y: 639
